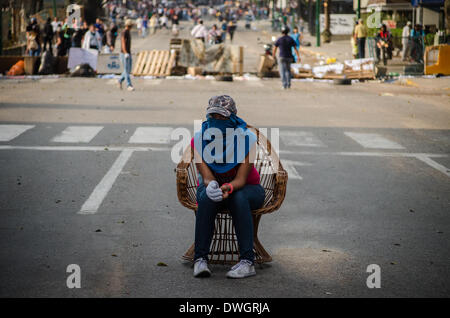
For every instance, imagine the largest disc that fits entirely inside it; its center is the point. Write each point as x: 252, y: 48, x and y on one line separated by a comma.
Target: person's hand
x: 214, y: 192
x: 225, y: 190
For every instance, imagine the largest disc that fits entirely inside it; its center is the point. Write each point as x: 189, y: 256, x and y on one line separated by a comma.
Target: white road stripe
x: 374, y: 141
x: 151, y: 135
x: 434, y: 164
x: 101, y: 190
x: 424, y: 157
x: 9, y: 132
x: 77, y: 134
x: 300, y: 138
x: 289, y: 165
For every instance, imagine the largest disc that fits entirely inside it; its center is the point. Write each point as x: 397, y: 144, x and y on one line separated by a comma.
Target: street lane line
x: 300, y: 138
x: 434, y: 164
x: 101, y: 190
x: 151, y: 135
x: 77, y: 134
x: 289, y: 165
x: 82, y: 148
x: 9, y: 132
x: 373, y: 141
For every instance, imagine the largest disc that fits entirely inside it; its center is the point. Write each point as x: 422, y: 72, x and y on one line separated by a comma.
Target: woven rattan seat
x: 224, y: 247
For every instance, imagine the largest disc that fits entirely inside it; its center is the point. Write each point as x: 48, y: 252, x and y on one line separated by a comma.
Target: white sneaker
x: 201, y: 268
x: 242, y: 269
x: 130, y: 88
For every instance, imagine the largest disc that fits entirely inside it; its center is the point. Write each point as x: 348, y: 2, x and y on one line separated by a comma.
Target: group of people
x: 215, y: 35
x: 64, y: 35
x: 411, y: 42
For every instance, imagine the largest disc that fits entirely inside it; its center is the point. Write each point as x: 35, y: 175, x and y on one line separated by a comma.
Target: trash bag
x: 83, y: 70
x: 47, y: 64
x: 17, y: 69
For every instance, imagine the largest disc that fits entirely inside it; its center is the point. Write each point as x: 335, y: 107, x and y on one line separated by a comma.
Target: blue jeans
x: 240, y: 203
x: 284, y: 65
x: 126, y: 62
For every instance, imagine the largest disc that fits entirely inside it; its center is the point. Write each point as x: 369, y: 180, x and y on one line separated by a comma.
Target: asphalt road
x: 86, y: 178
x: 347, y: 206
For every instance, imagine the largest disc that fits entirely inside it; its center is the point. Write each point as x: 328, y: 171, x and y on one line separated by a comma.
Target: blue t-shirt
x: 285, y: 44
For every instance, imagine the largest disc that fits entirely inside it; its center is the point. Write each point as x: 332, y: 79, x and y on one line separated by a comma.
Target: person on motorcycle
x: 383, y: 44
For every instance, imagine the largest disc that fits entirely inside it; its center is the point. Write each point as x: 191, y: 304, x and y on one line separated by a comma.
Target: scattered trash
x: 98, y: 230
x: 161, y: 264
x: 114, y: 255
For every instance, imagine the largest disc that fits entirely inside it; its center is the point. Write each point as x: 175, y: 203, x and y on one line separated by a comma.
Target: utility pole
x: 317, y: 22
x: 358, y: 9
x: 1, y: 31
x: 54, y: 8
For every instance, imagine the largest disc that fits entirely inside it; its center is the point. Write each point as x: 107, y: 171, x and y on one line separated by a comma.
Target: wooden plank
x: 160, y: 63
x: 163, y: 69
x: 148, y: 63
x: 152, y: 69
x: 138, y: 61
x: 170, y: 63
x: 142, y: 63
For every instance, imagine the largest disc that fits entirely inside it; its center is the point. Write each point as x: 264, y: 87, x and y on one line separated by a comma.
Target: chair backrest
x: 266, y: 162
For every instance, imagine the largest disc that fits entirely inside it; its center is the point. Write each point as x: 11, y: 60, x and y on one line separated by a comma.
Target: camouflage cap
x: 223, y: 105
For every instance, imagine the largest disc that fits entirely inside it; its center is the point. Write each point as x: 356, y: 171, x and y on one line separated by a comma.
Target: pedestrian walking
x: 153, y: 23
x: 296, y: 36
x: 199, y: 31
x: 144, y: 26
x: 360, y: 38
x: 125, y: 55
x: 406, y: 36
x: 286, y: 44
x: 231, y: 27
x: 233, y: 184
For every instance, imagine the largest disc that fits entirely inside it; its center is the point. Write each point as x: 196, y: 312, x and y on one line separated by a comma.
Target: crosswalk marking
x: 374, y: 141
x: 151, y: 135
x: 300, y: 138
x: 77, y: 134
x: 9, y: 132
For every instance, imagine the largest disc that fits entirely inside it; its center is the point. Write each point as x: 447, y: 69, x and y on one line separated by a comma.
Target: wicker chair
x: 224, y: 248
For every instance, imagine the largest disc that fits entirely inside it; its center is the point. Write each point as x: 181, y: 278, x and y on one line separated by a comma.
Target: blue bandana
x: 235, y: 146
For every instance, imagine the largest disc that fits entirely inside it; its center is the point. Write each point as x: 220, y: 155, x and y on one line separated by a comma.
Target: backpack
x: 33, y: 45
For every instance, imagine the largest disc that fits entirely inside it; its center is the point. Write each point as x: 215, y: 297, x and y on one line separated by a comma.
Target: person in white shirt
x: 405, y: 40
x: 164, y: 21
x: 55, y: 25
x: 139, y: 25
x: 92, y: 39
x: 199, y: 31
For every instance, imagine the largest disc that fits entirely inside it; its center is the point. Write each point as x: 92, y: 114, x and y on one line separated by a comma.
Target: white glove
x: 127, y: 55
x: 214, y: 192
